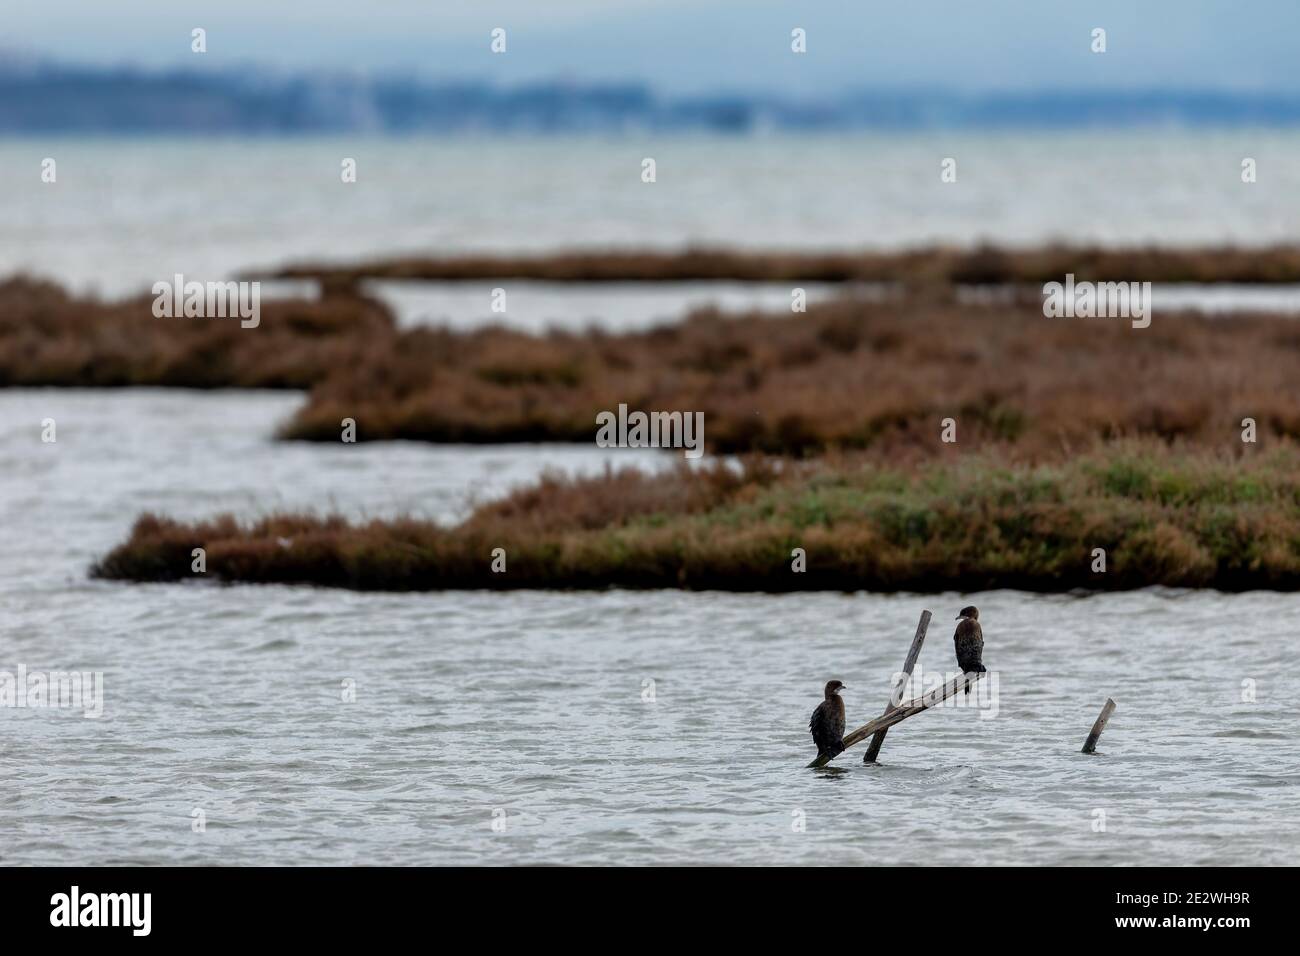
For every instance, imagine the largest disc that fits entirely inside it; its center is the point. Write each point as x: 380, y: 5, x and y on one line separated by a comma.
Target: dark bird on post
x: 827, y: 724
x: 969, y: 641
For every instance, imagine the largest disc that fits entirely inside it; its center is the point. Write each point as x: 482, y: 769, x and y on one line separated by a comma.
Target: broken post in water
x: 904, y: 711
x: 896, y: 693
x: 1090, y: 745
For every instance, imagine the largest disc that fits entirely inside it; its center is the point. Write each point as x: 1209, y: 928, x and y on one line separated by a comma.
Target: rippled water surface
x: 126, y: 213
x: 535, y: 711
x: 532, y: 709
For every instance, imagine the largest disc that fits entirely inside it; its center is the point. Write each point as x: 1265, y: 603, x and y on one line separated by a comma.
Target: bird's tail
x: 978, y: 669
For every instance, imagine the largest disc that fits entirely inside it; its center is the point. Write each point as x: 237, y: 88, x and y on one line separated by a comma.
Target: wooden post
x: 873, y: 750
x: 1090, y: 745
x: 904, y: 711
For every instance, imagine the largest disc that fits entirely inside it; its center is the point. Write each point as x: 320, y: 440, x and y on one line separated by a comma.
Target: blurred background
x: 208, y: 163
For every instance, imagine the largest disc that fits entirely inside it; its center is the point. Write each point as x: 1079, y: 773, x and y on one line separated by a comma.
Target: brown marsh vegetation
x: 1073, y: 434
x: 51, y: 338
x: 847, y: 374
x: 1175, y: 517
x: 921, y: 266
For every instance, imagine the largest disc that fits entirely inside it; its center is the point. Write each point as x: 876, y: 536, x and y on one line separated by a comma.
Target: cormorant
x: 969, y: 641
x: 827, y: 724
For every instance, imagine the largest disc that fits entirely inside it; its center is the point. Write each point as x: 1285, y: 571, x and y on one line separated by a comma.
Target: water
x: 228, y: 700
x: 621, y: 306
x: 125, y: 214
x: 628, y: 306
x: 472, y: 708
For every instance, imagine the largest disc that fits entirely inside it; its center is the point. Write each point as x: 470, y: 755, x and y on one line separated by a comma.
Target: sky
x: 699, y: 46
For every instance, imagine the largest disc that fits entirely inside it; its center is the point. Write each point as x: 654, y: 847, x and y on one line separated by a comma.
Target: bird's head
x: 832, y: 688
x: 971, y: 612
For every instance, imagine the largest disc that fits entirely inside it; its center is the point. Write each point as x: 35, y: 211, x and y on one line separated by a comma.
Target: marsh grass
x: 985, y: 264
x: 848, y: 374
x: 1164, y: 516
x: 49, y: 337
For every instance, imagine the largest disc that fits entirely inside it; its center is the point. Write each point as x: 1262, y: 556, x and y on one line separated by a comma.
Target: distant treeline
x: 47, y: 98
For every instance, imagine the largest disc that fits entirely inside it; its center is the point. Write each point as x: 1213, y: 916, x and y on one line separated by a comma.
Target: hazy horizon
x: 695, y: 48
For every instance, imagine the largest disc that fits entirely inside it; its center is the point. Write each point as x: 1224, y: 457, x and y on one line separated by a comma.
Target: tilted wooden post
x: 1090, y: 745
x: 874, y: 749
x: 904, y: 711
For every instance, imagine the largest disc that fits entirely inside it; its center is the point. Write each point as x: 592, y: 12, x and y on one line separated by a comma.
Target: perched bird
x: 969, y: 641
x: 827, y: 724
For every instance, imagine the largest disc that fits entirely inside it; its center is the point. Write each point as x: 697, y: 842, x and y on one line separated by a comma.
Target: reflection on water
x: 536, y: 709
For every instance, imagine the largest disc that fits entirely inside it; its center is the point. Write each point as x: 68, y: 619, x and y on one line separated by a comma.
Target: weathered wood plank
x: 873, y: 750
x: 904, y: 711
x: 1090, y: 745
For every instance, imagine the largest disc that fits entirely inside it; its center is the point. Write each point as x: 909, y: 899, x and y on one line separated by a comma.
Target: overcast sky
x: 700, y: 45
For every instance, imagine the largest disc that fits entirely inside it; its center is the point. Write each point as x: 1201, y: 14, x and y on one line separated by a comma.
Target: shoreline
x: 920, y: 266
